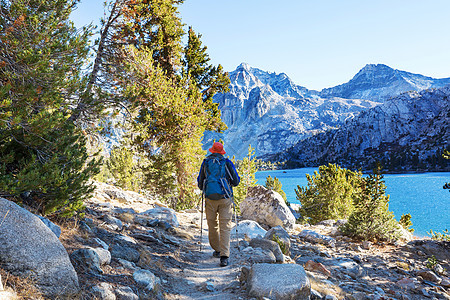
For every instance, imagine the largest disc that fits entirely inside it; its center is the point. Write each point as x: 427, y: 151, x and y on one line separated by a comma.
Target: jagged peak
x: 375, y: 68
x: 244, y: 66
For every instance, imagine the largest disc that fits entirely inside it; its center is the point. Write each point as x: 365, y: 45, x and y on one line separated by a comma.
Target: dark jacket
x: 232, y: 176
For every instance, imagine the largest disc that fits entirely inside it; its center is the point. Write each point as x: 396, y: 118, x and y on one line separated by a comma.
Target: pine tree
x: 102, y: 90
x: 371, y: 218
x: 170, y: 107
x: 169, y: 123
x: 275, y: 184
x: 207, y: 78
x: 124, y: 168
x: 329, y: 193
x: 156, y: 26
x: 246, y: 169
x: 43, y: 158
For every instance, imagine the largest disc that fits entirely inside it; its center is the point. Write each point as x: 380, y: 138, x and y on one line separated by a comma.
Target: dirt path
x: 203, y: 278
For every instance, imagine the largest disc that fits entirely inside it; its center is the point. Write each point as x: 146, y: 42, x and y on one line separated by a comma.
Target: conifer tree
x: 371, y: 218
x: 275, y: 184
x: 169, y: 123
x: 156, y: 26
x: 124, y: 168
x: 246, y: 169
x: 209, y: 79
x: 42, y: 154
x: 329, y: 193
x: 102, y: 90
x: 170, y: 108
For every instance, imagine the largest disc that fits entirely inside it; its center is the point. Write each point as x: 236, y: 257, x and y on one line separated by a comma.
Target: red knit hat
x: 217, y: 148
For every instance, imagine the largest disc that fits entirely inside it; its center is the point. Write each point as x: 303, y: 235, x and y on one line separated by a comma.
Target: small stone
x: 209, y: 286
x: 317, y: 267
x: 123, y: 238
x: 358, y: 295
x: 429, y: 275
x: 315, y: 295
x: 127, y: 264
x: 128, y: 253
x: 125, y: 293
x: 103, y: 291
x: 439, y: 269
x: 103, y: 255
x: 357, y: 258
x: 425, y: 292
x: 379, y: 290
x: 406, y: 283
x: 86, y: 260
x: 146, y: 279
x: 445, y: 282
x: 101, y: 243
x: 85, y: 227
x: 366, y: 245
x: 53, y: 227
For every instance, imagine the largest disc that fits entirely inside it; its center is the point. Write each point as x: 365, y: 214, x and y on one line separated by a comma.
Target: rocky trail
x: 133, y: 247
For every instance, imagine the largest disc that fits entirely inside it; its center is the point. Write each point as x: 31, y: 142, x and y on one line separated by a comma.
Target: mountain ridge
x: 271, y: 113
x: 406, y: 133
x: 380, y: 82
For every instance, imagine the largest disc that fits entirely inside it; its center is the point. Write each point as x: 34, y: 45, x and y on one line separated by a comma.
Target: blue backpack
x: 216, y: 184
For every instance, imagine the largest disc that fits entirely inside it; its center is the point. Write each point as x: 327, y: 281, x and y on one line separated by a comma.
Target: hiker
x: 216, y: 177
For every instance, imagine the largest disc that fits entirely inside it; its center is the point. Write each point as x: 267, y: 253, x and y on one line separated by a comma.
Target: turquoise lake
x: 421, y: 195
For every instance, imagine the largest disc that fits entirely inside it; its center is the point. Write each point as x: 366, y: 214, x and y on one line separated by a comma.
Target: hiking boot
x: 216, y: 254
x: 223, y: 261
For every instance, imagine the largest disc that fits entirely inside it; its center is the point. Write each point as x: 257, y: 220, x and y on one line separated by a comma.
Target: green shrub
x: 246, y: 169
x: 275, y: 185
x: 329, y: 194
x: 437, y: 236
x: 283, y: 247
x: 371, y: 219
x: 405, y: 221
x: 431, y: 262
x: 54, y: 179
x: 124, y: 169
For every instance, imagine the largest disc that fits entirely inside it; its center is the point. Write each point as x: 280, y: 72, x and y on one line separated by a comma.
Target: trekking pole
x: 201, y: 223
x: 237, y: 224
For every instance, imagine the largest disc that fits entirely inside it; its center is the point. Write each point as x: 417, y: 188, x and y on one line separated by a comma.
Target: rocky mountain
x: 271, y: 113
x: 407, y: 132
x: 380, y: 82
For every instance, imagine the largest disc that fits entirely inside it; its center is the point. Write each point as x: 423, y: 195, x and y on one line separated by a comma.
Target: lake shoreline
x: 420, y: 194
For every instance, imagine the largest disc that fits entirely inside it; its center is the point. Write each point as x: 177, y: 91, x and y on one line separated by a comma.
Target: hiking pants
x: 219, y: 215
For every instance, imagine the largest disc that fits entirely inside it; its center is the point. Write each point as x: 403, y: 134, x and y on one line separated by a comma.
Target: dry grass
x: 126, y: 217
x: 23, y: 287
x: 325, y: 289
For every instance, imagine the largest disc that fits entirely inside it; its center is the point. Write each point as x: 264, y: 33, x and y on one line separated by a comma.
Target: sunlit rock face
x: 410, y: 130
x: 271, y: 113
x: 380, y: 82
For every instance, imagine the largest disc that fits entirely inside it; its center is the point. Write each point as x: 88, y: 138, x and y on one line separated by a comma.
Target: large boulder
x: 275, y: 281
x: 267, y: 207
x: 29, y: 248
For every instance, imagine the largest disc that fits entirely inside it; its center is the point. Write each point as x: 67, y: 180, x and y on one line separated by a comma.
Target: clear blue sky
x: 320, y: 43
